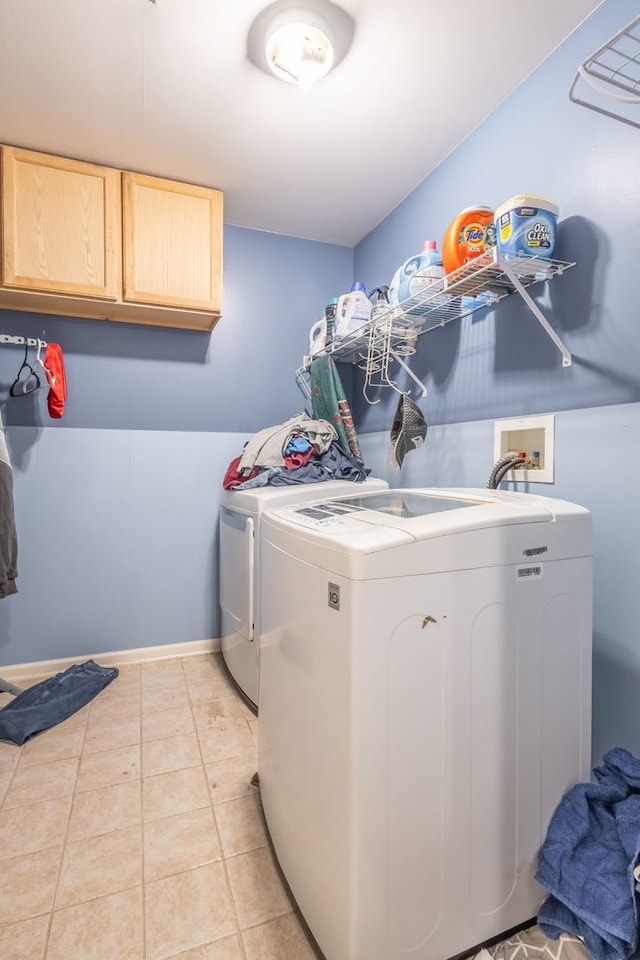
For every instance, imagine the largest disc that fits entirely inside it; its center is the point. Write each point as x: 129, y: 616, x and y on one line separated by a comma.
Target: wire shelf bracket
x: 302, y: 379
x: 538, y: 314
x: 409, y: 371
x: 613, y: 73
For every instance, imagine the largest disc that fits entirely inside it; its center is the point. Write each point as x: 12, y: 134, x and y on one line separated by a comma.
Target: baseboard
x: 113, y: 658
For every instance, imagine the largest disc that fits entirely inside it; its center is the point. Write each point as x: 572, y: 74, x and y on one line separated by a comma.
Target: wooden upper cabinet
x: 172, y: 243
x: 61, y: 225
x: 83, y: 240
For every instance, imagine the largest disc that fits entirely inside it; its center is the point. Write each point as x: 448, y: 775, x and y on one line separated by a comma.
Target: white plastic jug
x: 317, y: 337
x: 353, y: 311
x: 416, y: 274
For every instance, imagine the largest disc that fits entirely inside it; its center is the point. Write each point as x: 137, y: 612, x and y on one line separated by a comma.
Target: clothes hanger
x: 26, y: 383
x: 40, y: 344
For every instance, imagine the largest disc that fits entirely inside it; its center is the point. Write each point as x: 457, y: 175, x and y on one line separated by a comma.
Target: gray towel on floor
x: 53, y: 700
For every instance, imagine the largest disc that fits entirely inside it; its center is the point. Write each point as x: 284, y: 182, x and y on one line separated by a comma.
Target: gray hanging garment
x: 8, y: 538
x: 408, y: 431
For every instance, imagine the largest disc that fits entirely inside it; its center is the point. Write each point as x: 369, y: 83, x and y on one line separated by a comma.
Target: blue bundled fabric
x: 332, y: 465
x: 53, y: 700
x: 588, y: 859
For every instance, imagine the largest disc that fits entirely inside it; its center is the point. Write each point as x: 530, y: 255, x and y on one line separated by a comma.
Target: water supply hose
x: 510, y: 461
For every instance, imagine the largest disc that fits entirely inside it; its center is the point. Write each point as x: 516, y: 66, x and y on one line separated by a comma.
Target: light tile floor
x: 132, y: 832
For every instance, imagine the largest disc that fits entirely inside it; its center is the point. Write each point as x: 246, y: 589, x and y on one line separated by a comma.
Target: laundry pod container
x: 468, y: 236
x: 526, y: 226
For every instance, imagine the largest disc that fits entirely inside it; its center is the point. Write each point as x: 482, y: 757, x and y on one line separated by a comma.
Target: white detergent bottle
x: 353, y: 310
x: 318, y: 337
x: 416, y: 274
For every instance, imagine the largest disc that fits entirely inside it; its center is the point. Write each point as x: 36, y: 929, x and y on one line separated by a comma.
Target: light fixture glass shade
x: 299, y: 52
x: 299, y: 41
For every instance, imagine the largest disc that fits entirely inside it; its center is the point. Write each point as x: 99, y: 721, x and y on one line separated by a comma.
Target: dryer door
x: 237, y: 556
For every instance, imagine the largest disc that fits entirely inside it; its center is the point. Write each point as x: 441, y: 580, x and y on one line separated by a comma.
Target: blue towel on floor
x: 53, y: 700
x: 587, y: 861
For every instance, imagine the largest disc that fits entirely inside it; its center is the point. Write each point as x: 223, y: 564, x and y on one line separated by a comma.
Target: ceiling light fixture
x: 300, y: 45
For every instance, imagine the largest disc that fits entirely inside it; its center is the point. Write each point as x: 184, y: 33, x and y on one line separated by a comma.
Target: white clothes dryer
x: 239, y: 566
x: 425, y: 702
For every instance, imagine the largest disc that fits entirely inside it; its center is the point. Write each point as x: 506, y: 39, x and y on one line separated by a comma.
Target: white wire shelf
x: 482, y: 282
x: 392, y: 335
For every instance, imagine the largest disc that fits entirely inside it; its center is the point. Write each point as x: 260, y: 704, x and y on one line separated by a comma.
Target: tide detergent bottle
x: 468, y: 236
x: 416, y: 274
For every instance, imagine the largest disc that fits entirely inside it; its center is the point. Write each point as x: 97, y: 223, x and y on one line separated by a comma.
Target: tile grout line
x: 217, y: 829
x: 62, y: 845
x: 66, y: 836
x: 11, y: 776
x: 201, y: 765
x: 66, y: 841
x: 143, y: 900
x: 13, y: 773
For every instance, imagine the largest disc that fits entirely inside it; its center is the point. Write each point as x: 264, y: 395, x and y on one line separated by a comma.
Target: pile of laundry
x: 301, y: 450
x: 590, y: 861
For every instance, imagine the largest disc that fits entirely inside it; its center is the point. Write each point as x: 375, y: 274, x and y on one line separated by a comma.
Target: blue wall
x: 116, y: 503
x: 500, y: 364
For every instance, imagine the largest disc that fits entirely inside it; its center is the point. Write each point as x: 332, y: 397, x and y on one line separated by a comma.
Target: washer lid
x: 404, y: 532
x: 419, y: 514
x: 403, y: 503
x: 258, y: 499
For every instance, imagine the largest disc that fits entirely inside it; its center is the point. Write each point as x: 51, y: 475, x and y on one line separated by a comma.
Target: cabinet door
x: 61, y: 225
x: 172, y: 243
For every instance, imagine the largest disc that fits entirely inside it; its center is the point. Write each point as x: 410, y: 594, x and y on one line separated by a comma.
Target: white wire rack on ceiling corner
x: 612, y: 76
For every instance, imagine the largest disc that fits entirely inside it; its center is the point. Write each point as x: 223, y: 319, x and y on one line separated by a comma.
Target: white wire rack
x: 613, y: 74
x: 391, y: 336
x: 481, y: 282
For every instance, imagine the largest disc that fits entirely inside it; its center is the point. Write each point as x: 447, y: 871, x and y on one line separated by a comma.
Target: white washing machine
x: 425, y: 702
x: 240, y: 515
